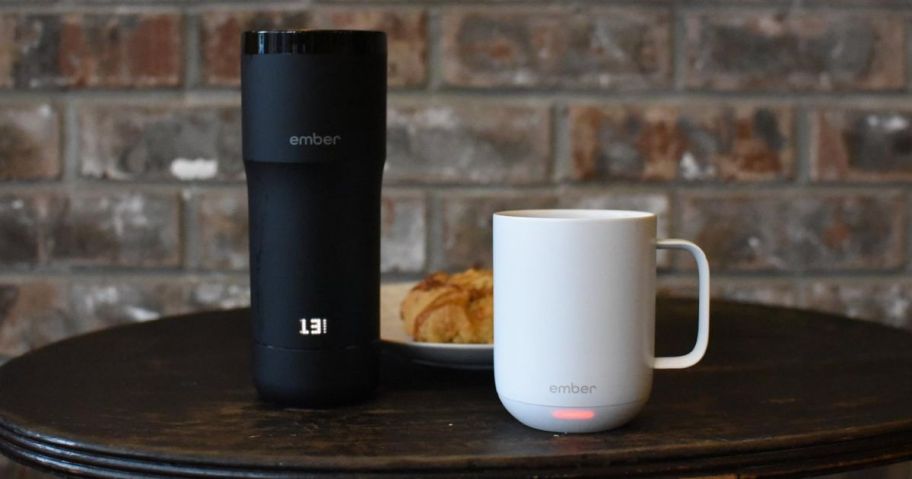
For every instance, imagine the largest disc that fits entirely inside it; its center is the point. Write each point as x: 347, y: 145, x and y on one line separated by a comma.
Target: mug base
x: 572, y: 419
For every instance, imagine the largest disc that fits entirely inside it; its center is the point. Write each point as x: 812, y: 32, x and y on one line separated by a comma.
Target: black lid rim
x: 341, y: 42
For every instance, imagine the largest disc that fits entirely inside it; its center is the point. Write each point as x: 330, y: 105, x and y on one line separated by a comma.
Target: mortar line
x: 435, y: 232
x: 90, y: 8
x: 908, y: 54
x: 191, y: 51
x: 428, y: 236
x: 702, y: 188
x: 69, y: 131
x: 810, y: 275
x: 560, y: 143
x: 230, y: 95
x: 125, y: 274
x: 678, y: 49
x: 747, y: 5
x: 434, y: 57
x: 190, y: 235
x: 674, y: 224
x: 742, y: 277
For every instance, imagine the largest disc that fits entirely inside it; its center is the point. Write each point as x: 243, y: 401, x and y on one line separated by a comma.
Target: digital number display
x: 313, y: 326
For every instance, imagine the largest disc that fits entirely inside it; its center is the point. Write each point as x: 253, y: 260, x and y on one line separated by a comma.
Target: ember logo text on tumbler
x: 314, y: 139
x: 312, y: 326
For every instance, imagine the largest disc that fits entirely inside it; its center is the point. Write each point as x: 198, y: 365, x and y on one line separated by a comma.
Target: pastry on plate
x: 451, y: 308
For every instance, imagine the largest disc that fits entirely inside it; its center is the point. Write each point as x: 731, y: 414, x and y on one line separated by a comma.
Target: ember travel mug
x: 314, y: 143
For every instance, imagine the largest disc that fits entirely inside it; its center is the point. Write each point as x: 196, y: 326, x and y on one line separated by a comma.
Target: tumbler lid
x: 314, y: 42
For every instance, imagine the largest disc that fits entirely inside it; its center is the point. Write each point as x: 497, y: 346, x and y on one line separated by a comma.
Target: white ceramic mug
x: 574, y: 315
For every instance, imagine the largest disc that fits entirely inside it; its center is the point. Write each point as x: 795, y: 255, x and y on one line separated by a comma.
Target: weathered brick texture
x: 466, y: 225
x: 747, y: 49
x: 468, y: 142
x: 220, y: 38
x: 791, y: 231
x: 160, y: 142
x: 862, y: 145
x: 90, y: 229
x: 403, y: 232
x: 691, y: 143
x: 616, y: 48
x: 116, y: 229
x: 778, y: 137
x: 406, y: 30
x: 221, y: 217
x: 29, y: 142
x: 95, y: 50
x: 21, y: 219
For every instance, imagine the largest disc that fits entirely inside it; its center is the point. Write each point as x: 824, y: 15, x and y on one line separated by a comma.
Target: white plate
x: 392, y: 332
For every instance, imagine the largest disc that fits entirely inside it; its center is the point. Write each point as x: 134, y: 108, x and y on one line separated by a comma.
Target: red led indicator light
x: 573, y: 414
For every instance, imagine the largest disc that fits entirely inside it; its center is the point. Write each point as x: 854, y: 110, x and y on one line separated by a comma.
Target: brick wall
x: 778, y: 135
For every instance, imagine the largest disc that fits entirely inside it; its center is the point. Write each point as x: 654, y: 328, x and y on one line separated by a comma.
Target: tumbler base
x: 321, y: 378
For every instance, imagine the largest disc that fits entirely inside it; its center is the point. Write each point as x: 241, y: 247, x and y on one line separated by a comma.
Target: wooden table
x: 781, y: 392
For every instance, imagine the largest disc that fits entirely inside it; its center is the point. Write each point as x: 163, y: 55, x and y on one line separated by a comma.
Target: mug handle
x: 699, y: 349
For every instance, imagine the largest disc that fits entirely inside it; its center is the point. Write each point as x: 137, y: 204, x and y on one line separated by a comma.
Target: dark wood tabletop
x: 781, y: 392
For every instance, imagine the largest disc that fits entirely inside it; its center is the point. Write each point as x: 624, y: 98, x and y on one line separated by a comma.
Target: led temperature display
x: 313, y: 326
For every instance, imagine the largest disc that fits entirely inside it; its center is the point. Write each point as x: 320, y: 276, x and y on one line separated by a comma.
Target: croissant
x: 456, y: 308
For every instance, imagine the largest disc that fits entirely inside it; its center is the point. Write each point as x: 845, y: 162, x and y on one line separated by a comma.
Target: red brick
x: 862, y: 145
x: 223, y: 230
x: 403, y: 232
x: 169, y: 141
x: 406, y: 32
x: 406, y: 35
x: 617, y: 48
x: 73, y: 50
x: 789, y: 50
x: 885, y: 302
x: 468, y: 143
x: 794, y: 231
x: 668, y: 142
x: 29, y: 142
x: 32, y: 314
x: 220, y: 38
x: 691, y: 143
x: 90, y: 228
x: 116, y: 229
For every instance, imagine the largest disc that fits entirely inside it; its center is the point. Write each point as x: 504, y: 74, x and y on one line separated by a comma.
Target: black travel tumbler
x: 314, y: 141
